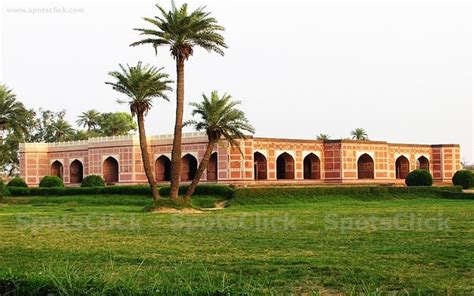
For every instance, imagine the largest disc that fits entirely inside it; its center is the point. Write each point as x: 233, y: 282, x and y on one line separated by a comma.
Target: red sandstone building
x: 263, y: 160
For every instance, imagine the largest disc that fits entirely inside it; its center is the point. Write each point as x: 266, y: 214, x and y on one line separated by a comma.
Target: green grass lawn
x: 110, y: 245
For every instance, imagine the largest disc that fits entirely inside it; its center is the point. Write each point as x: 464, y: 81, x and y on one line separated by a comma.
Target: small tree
x: 89, y: 119
x: 220, y: 119
x: 359, y: 134
x: 141, y: 84
x: 323, y: 137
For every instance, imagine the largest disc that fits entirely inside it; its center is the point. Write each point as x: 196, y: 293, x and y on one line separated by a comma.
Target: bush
x: 464, y: 178
x: 93, y: 181
x: 419, y: 178
x: 51, y: 181
x: 17, y: 182
x: 3, y: 189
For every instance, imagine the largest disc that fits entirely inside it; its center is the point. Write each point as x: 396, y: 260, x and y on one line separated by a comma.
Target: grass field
x: 110, y: 245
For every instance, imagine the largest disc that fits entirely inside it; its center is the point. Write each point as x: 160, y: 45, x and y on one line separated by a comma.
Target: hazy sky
x: 401, y: 70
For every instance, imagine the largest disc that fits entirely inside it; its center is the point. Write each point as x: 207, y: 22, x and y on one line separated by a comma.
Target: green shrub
x: 51, y: 181
x: 17, y: 182
x: 3, y: 189
x: 65, y: 191
x: 464, y: 178
x: 93, y: 181
x: 419, y: 178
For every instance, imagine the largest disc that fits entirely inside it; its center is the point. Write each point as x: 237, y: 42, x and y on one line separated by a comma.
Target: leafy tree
x: 323, y: 137
x: 359, y: 134
x: 15, y: 124
x: 45, y: 127
x: 116, y: 124
x: 142, y: 84
x: 220, y: 119
x: 89, y: 119
x: 14, y: 117
x: 182, y: 30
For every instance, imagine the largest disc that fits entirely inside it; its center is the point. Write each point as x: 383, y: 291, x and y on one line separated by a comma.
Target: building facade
x: 258, y: 161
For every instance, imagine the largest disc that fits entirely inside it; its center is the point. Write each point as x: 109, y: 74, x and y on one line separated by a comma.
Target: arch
x: 402, y: 167
x: 285, y: 166
x: 110, y: 170
x: 162, y: 169
x: 365, y: 167
x: 212, y: 168
x: 311, y: 167
x: 76, y: 172
x: 259, y: 166
x: 423, y: 163
x: 57, y: 169
x: 188, y: 167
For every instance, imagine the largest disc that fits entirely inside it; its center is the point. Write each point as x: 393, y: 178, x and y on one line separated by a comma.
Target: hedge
x: 220, y: 190
x: 62, y: 191
x: 457, y: 195
x: 261, y: 192
x: 268, y: 192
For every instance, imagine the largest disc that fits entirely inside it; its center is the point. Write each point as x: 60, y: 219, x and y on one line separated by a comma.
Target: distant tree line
x: 19, y: 124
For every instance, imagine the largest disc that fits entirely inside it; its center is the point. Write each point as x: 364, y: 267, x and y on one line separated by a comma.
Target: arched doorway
x: 365, y: 167
x: 312, y: 167
x: 188, y: 167
x: 162, y: 169
x: 423, y: 163
x: 76, y: 172
x: 57, y: 169
x: 259, y: 166
x: 212, y: 168
x: 285, y: 166
x: 402, y: 167
x: 111, y: 170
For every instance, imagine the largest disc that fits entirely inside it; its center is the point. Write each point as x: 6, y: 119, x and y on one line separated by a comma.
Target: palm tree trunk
x: 200, y: 171
x: 176, y: 153
x: 146, y: 157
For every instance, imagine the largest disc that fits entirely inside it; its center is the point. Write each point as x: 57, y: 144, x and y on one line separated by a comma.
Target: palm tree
x: 182, y: 30
x: 323, y: 137
x: 62, y: 131
x: 141, y: 84
x: 89, y: 119
x: 220, y: 119
x: 359, y: 134
x: 13, y: 114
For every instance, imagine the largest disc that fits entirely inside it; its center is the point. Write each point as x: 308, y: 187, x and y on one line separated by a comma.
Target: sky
x: 401, y: 70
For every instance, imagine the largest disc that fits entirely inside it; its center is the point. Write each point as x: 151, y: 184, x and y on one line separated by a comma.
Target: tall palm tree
x: 323, y: 137
x: 141, y: 84
x: 182, y: 30
x: 12, y: 113
x: 359, y: 134
x: 220, y: 119
x: 89, y: 119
